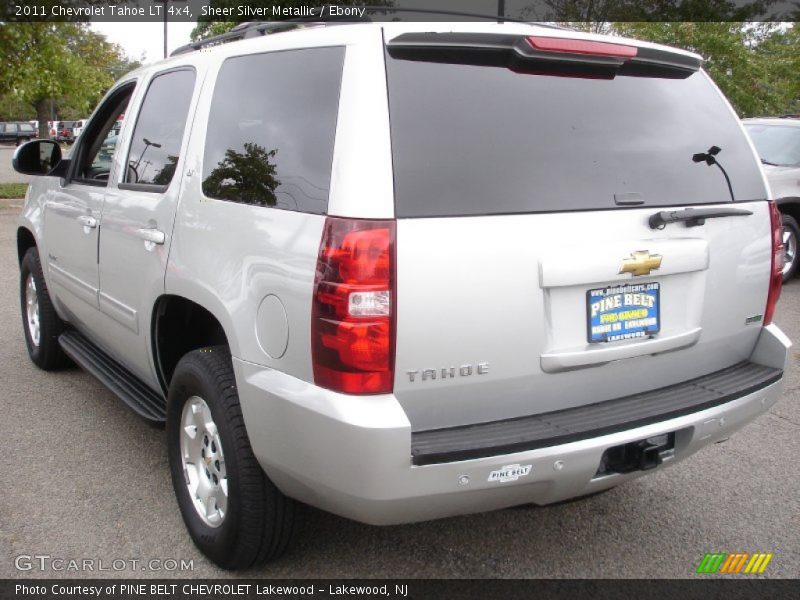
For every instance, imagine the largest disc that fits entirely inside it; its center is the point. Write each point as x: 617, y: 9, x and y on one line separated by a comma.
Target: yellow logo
x: 641, y: 263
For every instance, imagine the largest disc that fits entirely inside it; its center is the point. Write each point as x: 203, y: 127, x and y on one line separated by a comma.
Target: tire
x: 41, y: 321
x: 21, y: 141
x: 791, y: 237
x: 254, y: 522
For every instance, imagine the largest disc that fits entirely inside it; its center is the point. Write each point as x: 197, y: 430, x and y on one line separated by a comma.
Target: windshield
x: 477, y: 140
x: 776, y: 144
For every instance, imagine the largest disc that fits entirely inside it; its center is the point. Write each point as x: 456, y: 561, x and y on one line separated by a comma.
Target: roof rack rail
x: 259, y: 28
x: 241, y: 31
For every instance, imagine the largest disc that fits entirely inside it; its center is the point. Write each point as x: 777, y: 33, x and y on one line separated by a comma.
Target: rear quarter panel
x: 231, y: 257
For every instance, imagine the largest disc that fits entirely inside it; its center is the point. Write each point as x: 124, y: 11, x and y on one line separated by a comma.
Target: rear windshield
x: 776, y: 144
x: 474, y: 140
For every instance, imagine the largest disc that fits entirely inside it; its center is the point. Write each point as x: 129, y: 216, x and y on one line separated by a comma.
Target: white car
x: 78, y: 128
x: 777, y: 141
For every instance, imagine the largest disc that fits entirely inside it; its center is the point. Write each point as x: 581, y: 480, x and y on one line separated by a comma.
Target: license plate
x: 623, y: 312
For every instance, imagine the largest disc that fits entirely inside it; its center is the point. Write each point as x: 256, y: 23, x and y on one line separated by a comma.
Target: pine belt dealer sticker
x: 623, y: 312
x: 510, y: 473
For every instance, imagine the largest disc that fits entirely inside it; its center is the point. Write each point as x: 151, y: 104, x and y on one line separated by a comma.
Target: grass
x: 13, y: 190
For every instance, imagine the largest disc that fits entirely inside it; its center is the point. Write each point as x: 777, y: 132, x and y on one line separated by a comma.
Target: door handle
x: 154, y: 236
x: 87, y: 221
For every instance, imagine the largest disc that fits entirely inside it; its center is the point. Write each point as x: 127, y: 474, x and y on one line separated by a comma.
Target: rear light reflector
x: 569, y: 46
x: 776, y: 272
x: 352, y: 328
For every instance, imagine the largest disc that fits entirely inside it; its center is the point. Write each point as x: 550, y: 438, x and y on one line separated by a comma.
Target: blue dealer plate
x: 623, y: 312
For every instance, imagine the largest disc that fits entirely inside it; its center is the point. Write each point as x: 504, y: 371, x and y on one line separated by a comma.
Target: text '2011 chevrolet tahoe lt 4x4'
x: 403, y: 271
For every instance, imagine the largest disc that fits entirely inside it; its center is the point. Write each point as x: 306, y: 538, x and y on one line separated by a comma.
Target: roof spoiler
x: 533, y: 53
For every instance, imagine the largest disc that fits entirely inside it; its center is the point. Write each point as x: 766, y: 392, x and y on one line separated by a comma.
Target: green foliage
x: 754, y: 63
x: 13, y: 108
x: 247, y: 177
x: 59, y: 64
x: 757, y: 65
x: 13, y: 190
x: 593, y: 12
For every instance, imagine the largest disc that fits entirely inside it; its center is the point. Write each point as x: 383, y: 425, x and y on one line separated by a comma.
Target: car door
x: 72, y: 220
x: 11, y: 132
x: 138, y: 215
x: 26, y: 131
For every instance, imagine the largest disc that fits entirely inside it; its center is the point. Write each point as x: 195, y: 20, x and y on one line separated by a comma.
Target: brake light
x: 352, y: 329
x: 570, y: 46
x: 776, y: 272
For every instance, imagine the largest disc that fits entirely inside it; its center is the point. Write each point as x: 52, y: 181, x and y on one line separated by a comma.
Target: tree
x: 56, y: 63
x: 755, y: 64
x: 247, y: 177
x: 589, y: 14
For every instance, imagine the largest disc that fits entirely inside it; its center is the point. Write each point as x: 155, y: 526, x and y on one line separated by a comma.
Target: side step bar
x: 140, y: 398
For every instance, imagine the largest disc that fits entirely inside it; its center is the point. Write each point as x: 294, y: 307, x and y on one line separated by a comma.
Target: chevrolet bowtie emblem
x: 641, y: 263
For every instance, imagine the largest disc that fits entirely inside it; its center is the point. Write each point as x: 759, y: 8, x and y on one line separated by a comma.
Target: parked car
x: 78, y: 128
x: 61, y: 131
x: 17, y: 132
x: 411, y: 270
x: 777, y: 142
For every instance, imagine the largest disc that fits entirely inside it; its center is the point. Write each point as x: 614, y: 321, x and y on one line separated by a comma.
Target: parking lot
x: 84, y: 478
x: 7, y: 173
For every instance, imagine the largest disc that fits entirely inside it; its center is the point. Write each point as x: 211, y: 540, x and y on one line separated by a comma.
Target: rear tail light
x: 352, y: 329
x: 776, y: 273
x: 570, y: 46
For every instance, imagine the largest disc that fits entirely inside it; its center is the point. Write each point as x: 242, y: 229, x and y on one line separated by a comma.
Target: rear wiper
x: 764, y: 161
x: 693, y: 217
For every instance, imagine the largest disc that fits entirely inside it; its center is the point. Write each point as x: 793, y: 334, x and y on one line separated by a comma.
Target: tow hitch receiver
x: 637, y: 456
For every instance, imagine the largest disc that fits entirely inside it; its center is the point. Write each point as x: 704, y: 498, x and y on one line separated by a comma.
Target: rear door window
x: 474, y: 140
x: 271, y: 129
x: 157, y: 136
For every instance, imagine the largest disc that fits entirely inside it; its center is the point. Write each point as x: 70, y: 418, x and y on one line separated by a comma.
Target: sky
x: 137, y: 39
x: 145, y: 41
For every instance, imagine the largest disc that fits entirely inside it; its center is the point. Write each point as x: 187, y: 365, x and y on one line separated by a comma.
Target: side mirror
x: 38, y: 157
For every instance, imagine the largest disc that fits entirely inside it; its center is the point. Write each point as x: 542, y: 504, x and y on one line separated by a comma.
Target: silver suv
x: 405, y: 271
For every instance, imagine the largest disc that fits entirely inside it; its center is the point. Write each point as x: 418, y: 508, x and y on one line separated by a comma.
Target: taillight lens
x: 570, y: 46
x: 776, y: 273
x: 352, y: 329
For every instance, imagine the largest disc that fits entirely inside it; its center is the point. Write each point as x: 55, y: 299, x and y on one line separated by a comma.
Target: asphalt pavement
x: 7, y: 173
x: 83, y: 478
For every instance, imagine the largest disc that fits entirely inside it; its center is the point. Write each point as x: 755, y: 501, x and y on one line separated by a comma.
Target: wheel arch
x: 790, y: 206
x: 180, y: 325
x: 25, y: 241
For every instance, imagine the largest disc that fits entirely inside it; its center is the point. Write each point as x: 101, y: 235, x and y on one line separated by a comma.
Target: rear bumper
x: 352, y: 455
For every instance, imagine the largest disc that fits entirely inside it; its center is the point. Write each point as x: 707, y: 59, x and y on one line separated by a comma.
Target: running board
x: 138, y: 396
